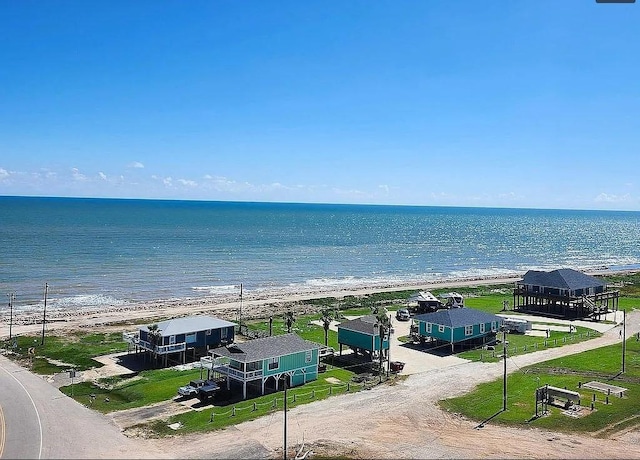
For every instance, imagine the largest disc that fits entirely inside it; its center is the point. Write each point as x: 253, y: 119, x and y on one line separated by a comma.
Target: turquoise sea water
x: 96, y: 252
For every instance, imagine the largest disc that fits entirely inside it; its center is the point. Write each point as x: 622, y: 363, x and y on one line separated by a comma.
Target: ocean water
x: 96, y: 252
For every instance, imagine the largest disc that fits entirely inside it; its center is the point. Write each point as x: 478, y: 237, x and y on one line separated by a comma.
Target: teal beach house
x: 463, y: 326
x: 362, y: 335
x: 262, y: 364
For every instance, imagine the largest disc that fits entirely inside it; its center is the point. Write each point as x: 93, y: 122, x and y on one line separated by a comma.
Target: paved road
x: 20, y: 428
x: 41, y: 422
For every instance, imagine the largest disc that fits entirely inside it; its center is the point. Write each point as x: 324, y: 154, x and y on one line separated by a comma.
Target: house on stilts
x: 564, y: 293
x: 262, y: 364
x: 180, y: 339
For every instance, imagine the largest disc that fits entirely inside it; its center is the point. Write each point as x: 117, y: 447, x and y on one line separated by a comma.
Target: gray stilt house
x: 263, y: 363
x: 362, y: 335
x: 463, y: 326
x: 564, y: 293
x: 181, y: 338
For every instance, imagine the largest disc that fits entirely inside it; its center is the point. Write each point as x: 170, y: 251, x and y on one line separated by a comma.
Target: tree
x: 384, y: 327
x: 289, y: 319
x: 154, y: 334
x: 326, y: 318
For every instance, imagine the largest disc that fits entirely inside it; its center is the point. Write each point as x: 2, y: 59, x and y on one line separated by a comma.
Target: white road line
x: 34, y: 407
x: 1, y: 432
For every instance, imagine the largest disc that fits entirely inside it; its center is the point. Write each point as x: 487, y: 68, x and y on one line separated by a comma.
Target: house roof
x: 365, y: 324
x: 564, y: 278
x: 189, y: 324
x: 267, y: 347
x: 458, y: 317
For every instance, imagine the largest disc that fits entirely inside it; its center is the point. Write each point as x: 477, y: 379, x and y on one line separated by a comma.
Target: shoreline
x: 254, y: 305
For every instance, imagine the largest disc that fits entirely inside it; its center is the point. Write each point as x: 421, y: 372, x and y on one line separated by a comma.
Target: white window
x: 208, y: 331
x: 274, y: 363
x: 482, y: 328
x: 223, y: 333
x: 172, y: 340
x: 307, y: 356
x: 428, y: 328
x: 440, y: 328
x: 494, y: 326
x: 468, y: 330
x: 191, y: 338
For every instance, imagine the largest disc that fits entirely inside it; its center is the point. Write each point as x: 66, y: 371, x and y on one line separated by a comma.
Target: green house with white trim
x: 457, y: 325
x: 362, y: 335
x: 264, y: 363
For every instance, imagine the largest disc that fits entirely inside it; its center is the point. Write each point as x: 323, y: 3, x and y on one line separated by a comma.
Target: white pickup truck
x: 192, y: 389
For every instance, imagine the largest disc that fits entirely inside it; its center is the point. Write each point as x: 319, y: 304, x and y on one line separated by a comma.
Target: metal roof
x: 189, y: 324
x: 267, y: 347
x: 458, y: 317
x: 365, y: 324
x: 563, y: 278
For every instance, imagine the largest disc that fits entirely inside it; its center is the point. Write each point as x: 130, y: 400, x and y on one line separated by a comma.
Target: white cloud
x: 611, y: 198
x: 188, y: 183
x: 4, y: 174
x: 135, y: 165
x: 77, y: 175
x: 102, y: 175
x: 384, y: 188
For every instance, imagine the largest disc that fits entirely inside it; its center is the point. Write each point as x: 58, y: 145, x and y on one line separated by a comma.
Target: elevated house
x: 362, y: 335
x: 564, y: 292
x: 178, y: 338
x: 264, y: 363
x: 464, y: 326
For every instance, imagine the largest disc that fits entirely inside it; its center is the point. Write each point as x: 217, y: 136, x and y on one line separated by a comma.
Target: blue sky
x: 427, y: 102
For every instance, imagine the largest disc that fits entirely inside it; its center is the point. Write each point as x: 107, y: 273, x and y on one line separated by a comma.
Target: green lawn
x: 602, y: 364
x: 223, y: 416
x: 76, y: 350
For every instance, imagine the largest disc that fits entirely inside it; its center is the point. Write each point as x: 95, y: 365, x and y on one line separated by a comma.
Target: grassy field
x: 222, y: 416
x: 72, y: 351
x: 603, y: 364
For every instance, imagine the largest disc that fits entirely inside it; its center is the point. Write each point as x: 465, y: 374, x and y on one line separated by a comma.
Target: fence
x: 546, y: 343
x: 295, y: 398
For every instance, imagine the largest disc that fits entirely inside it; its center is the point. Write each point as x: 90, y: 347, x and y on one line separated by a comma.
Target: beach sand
x: 253, y: 305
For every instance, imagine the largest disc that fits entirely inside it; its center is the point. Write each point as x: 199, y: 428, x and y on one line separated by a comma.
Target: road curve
x: 20, y: 425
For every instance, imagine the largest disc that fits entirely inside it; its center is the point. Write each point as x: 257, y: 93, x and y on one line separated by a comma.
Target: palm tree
x: 326, y: 318
x: 290, y: 319
x: 384, y: 326
x: 154, y: 334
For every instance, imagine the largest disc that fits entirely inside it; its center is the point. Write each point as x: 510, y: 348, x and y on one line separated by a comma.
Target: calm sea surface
x: 95, y: 252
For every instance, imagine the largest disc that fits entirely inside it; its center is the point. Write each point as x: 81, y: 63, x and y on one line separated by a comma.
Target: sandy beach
x: 253, y: 305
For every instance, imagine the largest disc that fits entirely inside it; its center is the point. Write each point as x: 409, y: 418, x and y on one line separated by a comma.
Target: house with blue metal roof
x: 564, y: 292
x: 457, y: 326
x: 265, y: 362
x: 180, y: 336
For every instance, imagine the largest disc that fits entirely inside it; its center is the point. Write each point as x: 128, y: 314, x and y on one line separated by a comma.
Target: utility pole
x: 504, y: 378
x: 624, y: 336
x: 44, y: 315
x: 284, y: 450
x: 240, y: 313
x: 12, y: 299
